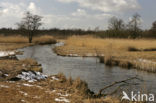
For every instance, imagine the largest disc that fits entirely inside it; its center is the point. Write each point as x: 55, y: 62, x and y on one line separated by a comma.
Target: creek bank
x: 96, y: 74
x: 22, y: 81
x: 139, y: 64
x: 35, y: 87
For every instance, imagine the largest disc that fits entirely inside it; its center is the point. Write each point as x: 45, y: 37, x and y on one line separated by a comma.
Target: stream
x: 96, y: 74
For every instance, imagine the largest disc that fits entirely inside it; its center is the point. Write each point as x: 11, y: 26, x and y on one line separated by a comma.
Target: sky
x: 71, y: 14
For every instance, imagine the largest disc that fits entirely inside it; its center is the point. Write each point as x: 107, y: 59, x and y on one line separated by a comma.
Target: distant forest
x: 117, y: 28
x: 68, y: 32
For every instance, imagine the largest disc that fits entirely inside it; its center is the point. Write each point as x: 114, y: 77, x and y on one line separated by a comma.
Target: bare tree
x: 153, y: 29
x: 116, y: 24
x: 134, y: 25
x: 30, y: 24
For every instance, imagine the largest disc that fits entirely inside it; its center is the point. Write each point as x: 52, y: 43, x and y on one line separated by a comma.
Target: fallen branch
x: 117, y: 82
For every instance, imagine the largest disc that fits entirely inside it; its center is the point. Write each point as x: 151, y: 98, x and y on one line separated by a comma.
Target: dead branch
x: 117, y: 82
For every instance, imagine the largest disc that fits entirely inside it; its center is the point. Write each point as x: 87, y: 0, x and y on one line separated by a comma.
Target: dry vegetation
x: 44, y: 40
x: 49, y: 91
x: 14, y: 67
x: 140, y: 53
x: 15, y: 42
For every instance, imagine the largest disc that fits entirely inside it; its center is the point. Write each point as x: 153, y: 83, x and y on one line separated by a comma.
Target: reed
x: 44, y: 40
x: 15, y: 42
x: 122, y: 52
x: 21, y: 39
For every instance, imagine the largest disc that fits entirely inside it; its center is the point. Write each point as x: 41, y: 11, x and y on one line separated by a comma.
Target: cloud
x: 79, y: 12
x: 107, y: 5
x: 33, y: 8
x: 11, y: 13
x: 78, y: 19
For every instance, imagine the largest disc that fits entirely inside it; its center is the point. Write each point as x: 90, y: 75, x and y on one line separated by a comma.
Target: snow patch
x: 66, y: 95
x: 6, y: 75
x: 54, y: 78
x: 22, y: 100
x: 31, y: 76
x: 28, y: 85
x: 146, y: 61
x: 11, y: 81
x: 23, y: 93
x: 62, y: 99
x: 7, y: 53
x: 59, y: 44
x: 4, y: 86
x: 53, y: 91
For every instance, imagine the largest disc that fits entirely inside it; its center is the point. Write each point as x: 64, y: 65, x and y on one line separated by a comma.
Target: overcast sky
x: 77, y: 13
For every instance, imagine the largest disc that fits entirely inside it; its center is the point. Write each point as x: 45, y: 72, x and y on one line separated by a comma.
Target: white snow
x: 59, y: 44
x: 54, y: 78
x: 4, y: 86
x: 6, y: 75
x: 11, y: 81
x: 22, y: 100
x: 6, y: 53
x: 31, y: 76
x: 23, y: 93
x: 28, y: 85
x: 62, y: 99
x: 66, y: 95
x: 53, y: 91
x: 146, y: 61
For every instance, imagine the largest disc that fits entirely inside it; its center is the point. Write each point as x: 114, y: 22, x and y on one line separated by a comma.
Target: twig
x: 117, y: 82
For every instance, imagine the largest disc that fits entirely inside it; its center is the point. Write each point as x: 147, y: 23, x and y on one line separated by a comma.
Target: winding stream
x: 97, y: 75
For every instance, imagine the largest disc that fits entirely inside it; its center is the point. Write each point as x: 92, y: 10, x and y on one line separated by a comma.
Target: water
x: 97, y: 75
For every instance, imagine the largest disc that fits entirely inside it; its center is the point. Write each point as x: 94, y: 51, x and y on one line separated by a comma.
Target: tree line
x: 30, y: 26
x: 117, y: 28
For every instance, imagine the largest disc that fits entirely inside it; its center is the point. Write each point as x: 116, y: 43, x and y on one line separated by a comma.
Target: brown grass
x: 103, y: 100
x: 22, y: 39
x: 44, y: 40
x: 12, y: 46
x: 46, y: 91
x: 13, y: 67
x: 123, y: 50
x: 15, y: 42
x: 13, y: 39
x: 89, y: 44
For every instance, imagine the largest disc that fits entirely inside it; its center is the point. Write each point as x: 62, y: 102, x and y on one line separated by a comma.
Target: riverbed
x: 96, y: 74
